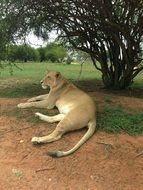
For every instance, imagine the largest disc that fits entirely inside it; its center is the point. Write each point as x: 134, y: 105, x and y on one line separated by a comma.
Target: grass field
x: 24, y: 80
x: 25, y: 83
x: 35, y: 71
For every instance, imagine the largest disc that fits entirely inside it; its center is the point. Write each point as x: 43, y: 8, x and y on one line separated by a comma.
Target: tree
x: 55, y: 52
x: 111, y: 32
x: 22, y: 53
x: 41, y: 51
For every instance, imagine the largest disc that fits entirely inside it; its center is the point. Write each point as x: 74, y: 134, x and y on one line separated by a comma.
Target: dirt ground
x: 105, y: 162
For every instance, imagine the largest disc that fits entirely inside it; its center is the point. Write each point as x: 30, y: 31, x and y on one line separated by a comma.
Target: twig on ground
x: 107, y: 148
x: 44, y: 169
x: 139, y: 154
x: 108, y: 144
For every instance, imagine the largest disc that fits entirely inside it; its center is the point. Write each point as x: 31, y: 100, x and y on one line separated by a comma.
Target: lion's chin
x: 44, y: 87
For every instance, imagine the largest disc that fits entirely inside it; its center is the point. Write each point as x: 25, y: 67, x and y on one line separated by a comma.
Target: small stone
x: 50, y: 179
x: 92, y: 177
x: 21, y: 141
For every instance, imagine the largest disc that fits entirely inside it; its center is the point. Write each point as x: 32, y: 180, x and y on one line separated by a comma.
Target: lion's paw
x: 31, y: 100
x: 21, y: 105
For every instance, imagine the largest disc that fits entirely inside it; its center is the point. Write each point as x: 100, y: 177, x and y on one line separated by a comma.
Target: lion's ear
x: 57, y: 74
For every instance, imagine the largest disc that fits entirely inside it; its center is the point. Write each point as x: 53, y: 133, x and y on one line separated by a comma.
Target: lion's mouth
x: 44, y: 86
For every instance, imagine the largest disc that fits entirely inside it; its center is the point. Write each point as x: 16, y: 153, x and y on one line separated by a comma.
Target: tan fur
x: 76, y: 110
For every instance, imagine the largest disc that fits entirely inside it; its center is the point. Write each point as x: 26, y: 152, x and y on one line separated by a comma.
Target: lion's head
x: 52, y: 79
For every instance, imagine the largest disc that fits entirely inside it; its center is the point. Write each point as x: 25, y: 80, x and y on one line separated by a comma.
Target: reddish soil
x: 105, y: 162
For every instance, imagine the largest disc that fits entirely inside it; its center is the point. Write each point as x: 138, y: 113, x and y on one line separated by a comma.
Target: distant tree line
x: 21, y: 53
x: 53, y: 52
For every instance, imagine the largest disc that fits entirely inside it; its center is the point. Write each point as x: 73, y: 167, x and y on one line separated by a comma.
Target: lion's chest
x: 64, y: 107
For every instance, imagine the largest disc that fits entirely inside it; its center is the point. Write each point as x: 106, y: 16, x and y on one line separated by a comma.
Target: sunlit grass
x: 25, y: 81
x: 35, y: 71
x: 138, y: 81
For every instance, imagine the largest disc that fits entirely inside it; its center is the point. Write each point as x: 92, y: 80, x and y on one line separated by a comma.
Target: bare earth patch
x: 105, y: 162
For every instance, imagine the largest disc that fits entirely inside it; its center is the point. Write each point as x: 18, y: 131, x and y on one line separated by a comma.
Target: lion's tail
x: 88, y: 134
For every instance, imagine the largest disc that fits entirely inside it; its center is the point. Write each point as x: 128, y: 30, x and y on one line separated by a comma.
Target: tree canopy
x: 111, y: 32
x: 55, y: 52
x: 22, y: 53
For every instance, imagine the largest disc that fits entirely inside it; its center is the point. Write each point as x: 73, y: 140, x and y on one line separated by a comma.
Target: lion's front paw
x: 31, y: 100
x: 21, y: 105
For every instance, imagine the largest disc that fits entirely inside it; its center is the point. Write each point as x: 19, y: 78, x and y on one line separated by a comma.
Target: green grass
x: 138, y: 81
x: 35, y: 71
x: 117, y: 120
x: 26, y: 81
x: 22, y: 82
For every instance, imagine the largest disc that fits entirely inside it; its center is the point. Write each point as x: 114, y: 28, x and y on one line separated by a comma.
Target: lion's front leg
x: 37, y: 98
x: 39, y: 104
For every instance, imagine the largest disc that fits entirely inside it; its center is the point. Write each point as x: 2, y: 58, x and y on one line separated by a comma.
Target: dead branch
x: 103, y: 143
x: 139, y: 154
x: 44, y: 169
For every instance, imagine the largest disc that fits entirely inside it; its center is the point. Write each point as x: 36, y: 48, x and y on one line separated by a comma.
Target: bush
x: 55, y: 52
x: 22, y: 53
x: 41, y: 51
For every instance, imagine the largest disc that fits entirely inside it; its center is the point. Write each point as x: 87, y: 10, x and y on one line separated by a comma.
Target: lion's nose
x: 41, y: 81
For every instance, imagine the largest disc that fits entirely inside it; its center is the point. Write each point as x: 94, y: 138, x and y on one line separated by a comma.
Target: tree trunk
x: 123, y: 81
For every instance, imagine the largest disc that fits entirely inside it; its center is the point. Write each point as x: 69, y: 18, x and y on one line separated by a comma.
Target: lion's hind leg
x: 62, y: 127
x: 72, y: 122
x: 54, y: 136
x: 37, y: 98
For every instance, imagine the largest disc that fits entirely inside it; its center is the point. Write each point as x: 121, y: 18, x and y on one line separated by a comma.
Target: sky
x: 35, y: 42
